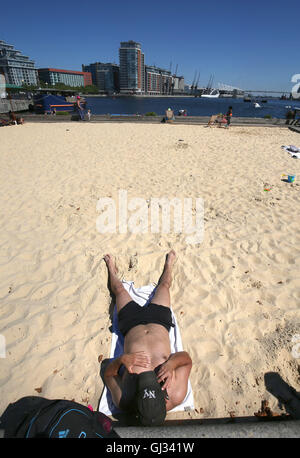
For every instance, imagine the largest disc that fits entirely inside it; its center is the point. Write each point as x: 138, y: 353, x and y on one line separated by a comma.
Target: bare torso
x: 153, y: 339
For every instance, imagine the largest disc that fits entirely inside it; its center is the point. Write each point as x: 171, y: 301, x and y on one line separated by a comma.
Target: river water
x: 195, y: 106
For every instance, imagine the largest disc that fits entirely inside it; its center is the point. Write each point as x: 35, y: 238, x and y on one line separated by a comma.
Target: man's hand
x: 166, y: 374
x: 170, y: 369
x: 139, y: 358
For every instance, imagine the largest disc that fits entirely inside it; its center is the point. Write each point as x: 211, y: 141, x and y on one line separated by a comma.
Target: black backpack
x: 34, y: 416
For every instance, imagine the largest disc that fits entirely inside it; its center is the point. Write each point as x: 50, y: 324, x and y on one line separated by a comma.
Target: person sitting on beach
x: 153, y: 381
x: 14, y: 119
x: 218, y: 120
x: 291, y: 117
x: 169, y: 115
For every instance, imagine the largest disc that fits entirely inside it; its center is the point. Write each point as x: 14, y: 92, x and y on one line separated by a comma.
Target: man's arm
x: 179, y: 359
x: 173, y: 363
x: 113, y: 381
x: 175, y: 373
x: 111, y: 377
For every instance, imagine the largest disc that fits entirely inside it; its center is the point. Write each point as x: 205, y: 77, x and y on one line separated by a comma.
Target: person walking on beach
x: 79, y: 108
x: 153, y: 381
x: 228, y: 116
x: 88, y: 114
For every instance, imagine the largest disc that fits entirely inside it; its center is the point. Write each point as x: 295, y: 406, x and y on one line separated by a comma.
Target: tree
x: 92, y: 89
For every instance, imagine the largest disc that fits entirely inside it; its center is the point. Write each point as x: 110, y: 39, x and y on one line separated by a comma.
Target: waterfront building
x: 132, y: 68
x: 72, y: 78
x: 16, y: 68
x: 152, y: 80
x: 157, y: 80
x: 178, y: 85
x: 104, y: 76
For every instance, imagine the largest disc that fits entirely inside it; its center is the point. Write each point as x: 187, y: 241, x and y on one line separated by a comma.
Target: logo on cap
x: 149, y: 394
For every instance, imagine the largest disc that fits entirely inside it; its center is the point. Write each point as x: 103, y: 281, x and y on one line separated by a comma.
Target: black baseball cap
x: 151, y: 405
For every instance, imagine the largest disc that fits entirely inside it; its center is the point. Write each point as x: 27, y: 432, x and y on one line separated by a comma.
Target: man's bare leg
x: 162, y: 292
x: 117, y: 288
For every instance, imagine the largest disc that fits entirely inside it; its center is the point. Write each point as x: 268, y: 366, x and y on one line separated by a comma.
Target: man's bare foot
x: 171, y: 258
x: 110, y: 264
x: 114, y: 283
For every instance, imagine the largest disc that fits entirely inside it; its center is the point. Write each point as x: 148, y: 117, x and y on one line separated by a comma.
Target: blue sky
x: 251, y: 45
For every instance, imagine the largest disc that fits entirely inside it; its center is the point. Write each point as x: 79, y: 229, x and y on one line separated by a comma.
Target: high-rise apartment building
x: 152, y: 80
x: 157, y: 80
x: 104, y: 76
x: 132, y: 68
x: 16, y: 68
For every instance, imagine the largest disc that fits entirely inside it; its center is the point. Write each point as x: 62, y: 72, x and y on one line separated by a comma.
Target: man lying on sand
x: 154, y: 380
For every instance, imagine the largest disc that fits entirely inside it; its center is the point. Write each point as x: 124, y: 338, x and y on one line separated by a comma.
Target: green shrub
x: 268, y: 116
x: 151, y: 113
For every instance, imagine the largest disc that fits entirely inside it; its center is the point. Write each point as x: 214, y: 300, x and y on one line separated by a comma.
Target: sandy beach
x: 236, y: 295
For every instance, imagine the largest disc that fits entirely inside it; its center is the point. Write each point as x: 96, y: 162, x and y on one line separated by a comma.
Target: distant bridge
x: 267, y: 92
x: 228, y: 88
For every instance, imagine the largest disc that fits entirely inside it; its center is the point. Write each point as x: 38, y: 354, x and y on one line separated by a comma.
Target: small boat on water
x: 289, y: 107
x: 257, y: 105
x: 212, y: 95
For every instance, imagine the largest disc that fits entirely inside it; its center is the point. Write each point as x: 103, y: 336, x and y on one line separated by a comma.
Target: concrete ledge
x: 188, y: 120
x: 258, y: 429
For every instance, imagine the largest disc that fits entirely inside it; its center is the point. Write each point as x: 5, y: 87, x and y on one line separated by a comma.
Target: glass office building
x: 16, y: 68
x: 132, y: 68
x: 104, y: 76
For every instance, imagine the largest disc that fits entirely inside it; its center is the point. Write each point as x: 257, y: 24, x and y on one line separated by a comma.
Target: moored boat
x: 212, y: 95
x: 52, y: 103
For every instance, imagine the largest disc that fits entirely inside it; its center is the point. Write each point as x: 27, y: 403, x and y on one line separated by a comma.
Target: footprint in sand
x: 89, y: 263
x: 133, y: 262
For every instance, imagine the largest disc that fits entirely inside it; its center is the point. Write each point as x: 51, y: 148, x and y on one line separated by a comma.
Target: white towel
x: 294, y: 153
x: 142, y: 296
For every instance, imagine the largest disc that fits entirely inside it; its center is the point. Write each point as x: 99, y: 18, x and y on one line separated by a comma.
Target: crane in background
x: 197, y: 82
x: 193, y: 83
x: 209, y: 85
x: 169, y: 84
